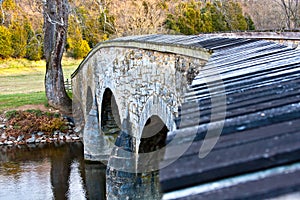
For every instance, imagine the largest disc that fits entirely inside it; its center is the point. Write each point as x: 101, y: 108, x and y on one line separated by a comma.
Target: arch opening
x: 154, y: 135
x: 153, y: 138
x: 110, y: 117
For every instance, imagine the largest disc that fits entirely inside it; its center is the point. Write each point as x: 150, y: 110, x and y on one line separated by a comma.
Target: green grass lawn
x: 22, y: 81
x: 10, y: 101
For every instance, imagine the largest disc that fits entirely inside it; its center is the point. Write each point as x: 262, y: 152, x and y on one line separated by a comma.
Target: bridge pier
x: 92, y: 136
x: 122, y: 184
x: 128, y: 177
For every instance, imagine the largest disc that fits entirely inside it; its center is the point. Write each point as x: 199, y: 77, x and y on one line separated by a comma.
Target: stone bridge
x: 126, y: 84
x: 142, y: 99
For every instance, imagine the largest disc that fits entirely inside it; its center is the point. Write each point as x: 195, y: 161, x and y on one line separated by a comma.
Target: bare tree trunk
x: 55, y: 28
x: 287, y: 13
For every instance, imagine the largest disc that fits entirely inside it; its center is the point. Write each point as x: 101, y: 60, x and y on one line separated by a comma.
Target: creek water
x: 49, y: 171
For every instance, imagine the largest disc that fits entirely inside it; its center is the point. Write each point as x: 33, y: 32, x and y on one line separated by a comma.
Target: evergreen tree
x: 189, y: 18
x: 250, y: 23
x: 233, y: 15
x: 34, y: 47
x: 19, y: 39
x: 95, y: 25
x: 77, y: 47
x: 192, y: 17
x: 5, y: 43
x: 218, y: 19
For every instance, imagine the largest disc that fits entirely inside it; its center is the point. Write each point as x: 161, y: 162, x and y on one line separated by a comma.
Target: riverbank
x: 31, y: 126
x: 22, y: 90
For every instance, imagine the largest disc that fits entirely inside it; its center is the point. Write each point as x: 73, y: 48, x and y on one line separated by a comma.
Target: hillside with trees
x: 93, y: 21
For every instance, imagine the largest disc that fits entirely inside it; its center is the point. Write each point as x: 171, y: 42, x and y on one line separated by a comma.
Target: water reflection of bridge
x: 193, y: 88
x: 49, y: 171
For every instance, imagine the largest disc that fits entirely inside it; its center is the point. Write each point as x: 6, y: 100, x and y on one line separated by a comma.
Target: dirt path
x: 36, y: 107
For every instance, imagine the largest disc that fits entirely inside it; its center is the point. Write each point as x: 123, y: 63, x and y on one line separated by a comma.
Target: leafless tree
x: 137, y: 17
x: 266, y: 14
x: 291, y: 9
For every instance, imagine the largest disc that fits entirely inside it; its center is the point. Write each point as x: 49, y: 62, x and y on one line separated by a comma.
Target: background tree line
x: 92, y: 21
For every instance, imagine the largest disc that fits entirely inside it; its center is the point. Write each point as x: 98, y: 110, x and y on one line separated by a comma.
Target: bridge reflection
x: 50, y: 172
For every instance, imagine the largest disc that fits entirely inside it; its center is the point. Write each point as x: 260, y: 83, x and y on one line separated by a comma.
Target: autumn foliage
x: 90, y: 22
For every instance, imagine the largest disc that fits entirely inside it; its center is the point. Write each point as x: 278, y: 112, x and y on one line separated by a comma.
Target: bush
x: 81, y: 49
x: 20, y: 122
x: 10, y: 114
x: 34, y: 49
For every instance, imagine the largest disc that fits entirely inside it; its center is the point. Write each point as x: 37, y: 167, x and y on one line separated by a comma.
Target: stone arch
x: 153, y: 139
x: 110, y: 117
x: 156, y: 107
x: 154, y: 135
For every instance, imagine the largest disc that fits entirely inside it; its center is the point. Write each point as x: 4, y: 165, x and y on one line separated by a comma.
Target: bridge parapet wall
x: 290, y: 39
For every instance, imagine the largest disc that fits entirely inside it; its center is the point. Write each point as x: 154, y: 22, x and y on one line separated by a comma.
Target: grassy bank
x: 24, y: 76
x: 10, y: 101
x: 22, y: 81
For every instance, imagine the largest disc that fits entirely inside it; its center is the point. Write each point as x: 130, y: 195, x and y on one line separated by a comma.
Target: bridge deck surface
x: 261, y: 129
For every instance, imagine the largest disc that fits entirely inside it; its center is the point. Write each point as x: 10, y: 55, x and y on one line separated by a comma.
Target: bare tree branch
x: 53, y: 21
x: 102, y: 10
